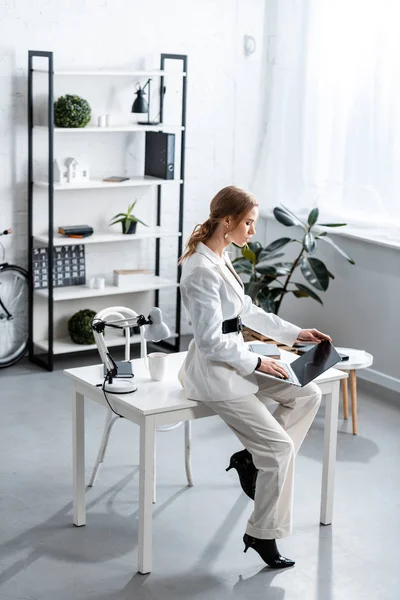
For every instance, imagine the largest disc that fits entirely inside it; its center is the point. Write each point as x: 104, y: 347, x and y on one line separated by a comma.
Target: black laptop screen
x: 315, y: 362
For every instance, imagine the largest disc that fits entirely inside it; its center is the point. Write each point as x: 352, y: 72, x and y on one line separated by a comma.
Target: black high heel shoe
x: 243, y: 463
x: 268, y: 551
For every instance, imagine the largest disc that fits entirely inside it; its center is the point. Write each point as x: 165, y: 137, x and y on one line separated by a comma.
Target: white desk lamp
x: 155, y: 330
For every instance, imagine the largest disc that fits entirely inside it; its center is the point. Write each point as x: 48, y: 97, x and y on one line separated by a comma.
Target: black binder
x: 160, y: 154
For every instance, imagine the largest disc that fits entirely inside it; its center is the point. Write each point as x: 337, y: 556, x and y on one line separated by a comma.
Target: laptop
x: 308, y: 366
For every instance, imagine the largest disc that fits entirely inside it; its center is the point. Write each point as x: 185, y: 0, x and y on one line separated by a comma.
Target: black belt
x: 232, y: 325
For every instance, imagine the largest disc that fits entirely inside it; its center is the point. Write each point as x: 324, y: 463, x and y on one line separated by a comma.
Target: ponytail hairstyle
x: 232, y: 202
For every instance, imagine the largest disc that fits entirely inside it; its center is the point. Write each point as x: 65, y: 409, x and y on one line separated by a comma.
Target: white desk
x: 160, y: 403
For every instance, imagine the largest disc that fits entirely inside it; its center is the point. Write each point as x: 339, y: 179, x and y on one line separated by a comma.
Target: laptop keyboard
x: 291, y: 375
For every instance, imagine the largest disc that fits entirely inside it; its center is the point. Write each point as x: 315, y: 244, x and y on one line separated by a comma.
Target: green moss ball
x: 80, y: 327
x: 71, y: 111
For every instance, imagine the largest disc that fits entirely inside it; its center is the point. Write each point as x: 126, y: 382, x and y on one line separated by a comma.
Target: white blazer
x: 219, y: 366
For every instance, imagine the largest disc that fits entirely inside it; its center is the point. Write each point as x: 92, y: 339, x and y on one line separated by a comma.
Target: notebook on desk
x: 308, y: 366
x: 268, y: 350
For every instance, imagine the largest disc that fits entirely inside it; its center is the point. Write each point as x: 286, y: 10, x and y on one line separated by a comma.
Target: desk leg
x: 353, y: 392
x: 78, y: 458
x: 188, y: 449
x: 146, y: 481
x: 345, y: 395
x: 329, y: 462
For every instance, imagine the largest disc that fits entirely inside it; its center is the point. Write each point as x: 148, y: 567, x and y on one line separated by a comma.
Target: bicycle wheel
x: 13, y: 314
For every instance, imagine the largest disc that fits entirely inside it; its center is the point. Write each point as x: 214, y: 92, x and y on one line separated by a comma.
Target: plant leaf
x: 342, y: 252
x: 276, y: 270
x: 255, y: 247
x: 267, y: 302
x: 284, y: 265
x: 315, y: 272
x: 266, y: 280
x: 242, y: 265
x: 332, y: 224
x: 313, y: 217
x: 118, y: 221
x: 309, y: 243
x: 249, y: 254
x: 282, y: 270
x: 295, y: 217
x: 265, y: 269
x: 252, y: 288
x: 308, y: 291
x: 132, y: 218
x: 276, y: 292
x: 282, y: 216
x: 300, y: 294
x: 130, y: 209
x: 263, y: 256
x: 322, y: 234
x: 277, y: 245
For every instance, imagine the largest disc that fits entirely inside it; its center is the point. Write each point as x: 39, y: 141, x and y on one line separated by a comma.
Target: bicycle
x: 14, y: 294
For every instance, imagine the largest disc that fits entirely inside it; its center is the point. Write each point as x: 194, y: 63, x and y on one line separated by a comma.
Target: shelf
x: 146, y: 283
x: 43, y: 311
x: 64, y: 345
x: 153, y: 73
x: 111, y: 129
x: 138, y: 181
x: 105, y: 237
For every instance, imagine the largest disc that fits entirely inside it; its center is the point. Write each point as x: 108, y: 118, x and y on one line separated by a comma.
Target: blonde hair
x: 231, y: 201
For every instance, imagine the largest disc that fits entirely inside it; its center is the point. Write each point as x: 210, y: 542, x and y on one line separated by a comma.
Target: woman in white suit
x: 222, y: 372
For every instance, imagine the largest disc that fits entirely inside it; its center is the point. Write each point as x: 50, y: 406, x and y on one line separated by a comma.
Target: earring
x: 226, y: 236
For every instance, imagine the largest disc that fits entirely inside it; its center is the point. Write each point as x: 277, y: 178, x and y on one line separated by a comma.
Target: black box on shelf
x: 68, y: 266
x: 160, y: 154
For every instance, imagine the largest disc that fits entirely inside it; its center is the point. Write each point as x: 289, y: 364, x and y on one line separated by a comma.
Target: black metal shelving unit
x: 46, y: 359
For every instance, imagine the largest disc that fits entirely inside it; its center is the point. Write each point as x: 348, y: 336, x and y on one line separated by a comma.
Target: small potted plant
x: 71, y: 111
x: 80, y: 326
x: 127, y: 220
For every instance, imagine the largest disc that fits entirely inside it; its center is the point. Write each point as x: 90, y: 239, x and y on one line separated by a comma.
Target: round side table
x: 357, y: 360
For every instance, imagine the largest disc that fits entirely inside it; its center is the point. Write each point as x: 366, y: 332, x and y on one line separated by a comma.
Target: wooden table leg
x: 345, y: 398
x: 78, y: 458
x: 353, y: 395
x: 329, y: 460
x: 146, y: 481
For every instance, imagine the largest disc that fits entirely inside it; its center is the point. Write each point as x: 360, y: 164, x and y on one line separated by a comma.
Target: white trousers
x: 273, y: 441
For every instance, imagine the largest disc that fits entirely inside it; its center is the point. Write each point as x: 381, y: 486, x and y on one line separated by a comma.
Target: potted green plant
x: 127, y: 220
x: 269, y: 282
x: 71, y: 111
x: 80, y: 326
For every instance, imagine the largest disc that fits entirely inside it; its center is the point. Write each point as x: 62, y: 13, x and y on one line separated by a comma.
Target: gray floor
x: 198, y: 552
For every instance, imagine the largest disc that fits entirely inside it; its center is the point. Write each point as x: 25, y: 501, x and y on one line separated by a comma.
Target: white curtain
x: 331, y: 135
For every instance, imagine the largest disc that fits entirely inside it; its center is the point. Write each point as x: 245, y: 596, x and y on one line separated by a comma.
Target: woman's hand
x: 272, y: 367
x: 312, y: 335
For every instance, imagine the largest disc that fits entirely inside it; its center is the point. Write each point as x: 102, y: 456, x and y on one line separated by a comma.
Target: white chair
x: 122, y: 312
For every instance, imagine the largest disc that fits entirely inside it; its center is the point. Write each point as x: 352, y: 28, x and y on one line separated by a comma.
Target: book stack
x: 76, y: 231
x: 268, y: 350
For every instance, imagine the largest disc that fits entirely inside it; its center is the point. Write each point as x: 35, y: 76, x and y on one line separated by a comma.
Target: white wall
x: 361, y: 305
x: 222, y: 87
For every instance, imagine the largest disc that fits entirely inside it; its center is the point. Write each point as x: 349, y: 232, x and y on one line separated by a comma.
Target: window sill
x: 362, y: 234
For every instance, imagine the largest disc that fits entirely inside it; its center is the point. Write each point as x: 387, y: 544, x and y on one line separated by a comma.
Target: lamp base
x: 122, y: 386
x: 148, y: 122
